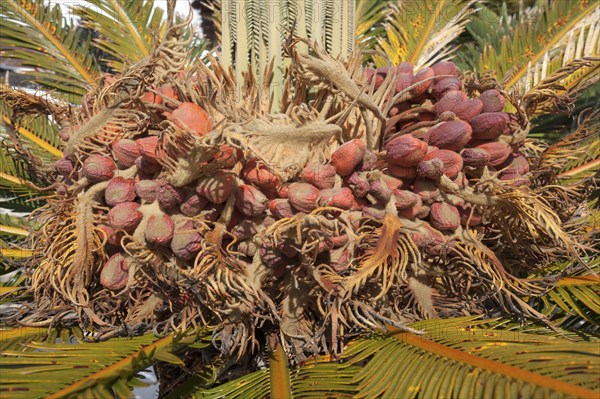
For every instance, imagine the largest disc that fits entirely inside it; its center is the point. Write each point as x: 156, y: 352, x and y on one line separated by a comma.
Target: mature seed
x: 169, y: 197
x: 405, y: 199
x: 160, y: 229
x: 119, y: 190
x: 321, y: 176
x: 405, y: 151
x: 303, y: 196
x: 125, y: 216
x: 147, y: 190
x: 193, y: 205
x: 337, y: 197
x: 115, y: 272
x: 348, y: 156
x: 453, y: 162
x: 147, y: 148
x: 126, y: 152
x: 218, y: 187
x: 193, y: 117
x: 492, y: 101
x: 260, y: 175
x: 250, y: 201
x: 444, y: 216
x: 450, y: 135
x: 186, y: 241
x: 281, y: 208
x: 97, y: 168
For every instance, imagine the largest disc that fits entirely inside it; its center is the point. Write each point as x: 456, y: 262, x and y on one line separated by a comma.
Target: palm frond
x: 127, y: 30
x: 421, y: 32
x: 13, y: 226
x: 369, y: 16
x: 39, y: 36
x: 67, y: 369
x: 522, y: 53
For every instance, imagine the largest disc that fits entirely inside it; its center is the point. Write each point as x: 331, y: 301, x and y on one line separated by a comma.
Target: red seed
x: 115, y: 272
x: 303, y: 196
x: 159, y: 229
x: 348, y: 156
x: 250, y: 201
x: 186, y: 241
x: 217, y: 188
x: 405, y: 151
x: 193, y: 117
x: 119, y: 190
x: 97, y: 168
x: 125, y: 216
x: 321, y: 176
x: 444, y: 216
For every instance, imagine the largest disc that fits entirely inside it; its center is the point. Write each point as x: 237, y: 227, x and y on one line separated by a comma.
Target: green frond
x: 421, y: 32
x: 39, y: 36
x: 460, y: 357
x: 13, y: 226
x: 524, y: 53
x: 369, y: 16
x: 61, y: 370
x: 127, y: 29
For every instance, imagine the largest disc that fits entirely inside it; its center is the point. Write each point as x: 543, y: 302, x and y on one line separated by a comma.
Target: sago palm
x: 322, y: 206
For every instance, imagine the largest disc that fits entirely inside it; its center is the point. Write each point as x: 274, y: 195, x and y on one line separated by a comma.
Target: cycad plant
x: 286, y: 217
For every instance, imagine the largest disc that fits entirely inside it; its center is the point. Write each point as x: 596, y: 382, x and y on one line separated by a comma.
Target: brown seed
x: 115, y: 272
x: 146, y: 167
x: 303, y: 196
x: 449, y: 101
x: 492, y: 101
x: 358, y: 184
x: 422, y: 75
x: 444, y: 68
x: 228, y: 156
x: 247, y: 248
x: 475, y: 157
x: 147, y: 190
x: 431, y: 169
x: 450, y: 135
x: 405, y: 151
x: 348, y: 156
x: 321, y: 176
x: 250, y: 201
x: 160, y: 229
x: 428, y: 239
x: 147, y: 148
x: 412, y: 211
x: 444, y: 216
x: 119, y: 190
x: 167, y: 92
x: 453, y: 162
x: 369, y: 162
x: 193, y: 205
x: 169, y: 197
x: 126, y: 152
x: 192, y: 116
x: 373, y: 212
x: 336, y: 197
x: 186, y: 241
x: 391, y: 182
x: 260, y: 175
x: 97, y: 168
x: 440, y: 87
x: 401, y: 172
x: 246, y: 228
x: 499, y: 151
x: 515, y: 165
x: 217, y: 188
x: 425, y: 189
x: 468, y: 109
x: 64, y: 166
x: 467, y: 218
x: 125, y: 215
x: 490, y: 126
x: 281, y: 208
x: 380, y: 190
x: 405, y: 199
x: 404, y: 81
x: 405, y: 67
